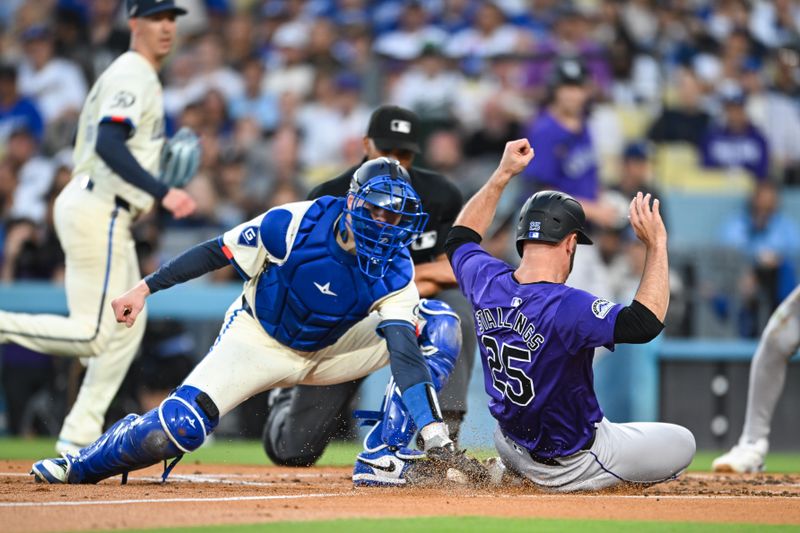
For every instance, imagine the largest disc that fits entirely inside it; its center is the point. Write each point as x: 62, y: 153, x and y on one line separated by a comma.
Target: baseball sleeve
x: 586, y: 321
x: 473, y: 266
x: 122, y: 100
x: 243, y: 247
x: 398, y: 307
x: 266, y: 238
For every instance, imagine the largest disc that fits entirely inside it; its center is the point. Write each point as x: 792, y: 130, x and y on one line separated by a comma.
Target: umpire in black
x: 302, y: 420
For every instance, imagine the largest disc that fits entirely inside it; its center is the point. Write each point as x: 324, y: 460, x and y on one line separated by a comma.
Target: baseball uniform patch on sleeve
x: 123, y: 99
x: 601, y: 307
x: 249, y: 236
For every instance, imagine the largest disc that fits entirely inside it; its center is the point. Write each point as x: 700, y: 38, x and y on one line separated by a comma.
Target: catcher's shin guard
x: 179, y: 425
x: 440, y: 343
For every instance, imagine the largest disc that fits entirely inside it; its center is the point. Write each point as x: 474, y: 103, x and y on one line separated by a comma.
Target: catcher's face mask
x: 385, y: 215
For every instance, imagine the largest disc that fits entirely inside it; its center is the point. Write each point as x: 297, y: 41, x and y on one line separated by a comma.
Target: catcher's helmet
x: 382, y: 183
x: 549, y: 216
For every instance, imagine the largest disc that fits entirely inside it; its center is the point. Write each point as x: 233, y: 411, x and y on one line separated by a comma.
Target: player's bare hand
x: 128, y: 306
x: 179, y: 203
x: 516, y: 156
x: 646, y: 221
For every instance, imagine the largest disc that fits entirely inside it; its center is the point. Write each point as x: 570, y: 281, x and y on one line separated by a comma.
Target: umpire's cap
x: 549, y: 216
x: 145, y: 8
x: 392, y: 127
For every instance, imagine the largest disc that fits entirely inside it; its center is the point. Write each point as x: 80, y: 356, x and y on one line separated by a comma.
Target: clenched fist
x: 516, y: 156
x: 128, y: 306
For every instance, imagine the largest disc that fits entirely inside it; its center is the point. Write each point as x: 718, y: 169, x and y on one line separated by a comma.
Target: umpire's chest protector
x: 312, y: 299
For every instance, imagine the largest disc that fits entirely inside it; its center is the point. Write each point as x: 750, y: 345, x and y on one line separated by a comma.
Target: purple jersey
x: 537, y: 343
x: 723, y: 148
x: 564, y: 160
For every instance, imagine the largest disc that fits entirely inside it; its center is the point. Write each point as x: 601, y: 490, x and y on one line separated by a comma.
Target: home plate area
x: 204, y: 494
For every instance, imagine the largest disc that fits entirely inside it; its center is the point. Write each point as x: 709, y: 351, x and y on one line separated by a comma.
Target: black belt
x: 119, y: 201
x: 246, y: 306
x: 552, y: 461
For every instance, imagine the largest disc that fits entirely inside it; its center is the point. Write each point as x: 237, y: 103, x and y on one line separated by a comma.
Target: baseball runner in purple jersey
x: 537, y: 338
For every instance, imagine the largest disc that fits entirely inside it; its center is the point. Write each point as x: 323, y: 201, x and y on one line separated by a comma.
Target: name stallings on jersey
x: 494, y: 319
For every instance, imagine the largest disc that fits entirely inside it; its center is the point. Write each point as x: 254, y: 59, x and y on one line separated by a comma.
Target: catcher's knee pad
x: 188, y: 416
x: 179, y: 425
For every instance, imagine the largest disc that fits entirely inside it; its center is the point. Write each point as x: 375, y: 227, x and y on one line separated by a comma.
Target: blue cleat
x: 384, y: 466
x: 53, y: 471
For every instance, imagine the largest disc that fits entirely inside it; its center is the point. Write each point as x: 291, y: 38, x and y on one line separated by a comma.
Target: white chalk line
x: 174, y: 500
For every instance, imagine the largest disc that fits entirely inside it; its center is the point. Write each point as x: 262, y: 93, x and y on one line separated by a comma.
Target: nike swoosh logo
x: 391, y: 468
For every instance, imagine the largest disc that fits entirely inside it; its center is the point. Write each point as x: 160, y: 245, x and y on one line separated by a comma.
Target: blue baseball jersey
x: 564, y: 160
x: 306, y: 289
x: 537, y: 343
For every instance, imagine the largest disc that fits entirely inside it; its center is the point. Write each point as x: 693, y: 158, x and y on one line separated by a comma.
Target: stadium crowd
x: 697, y: 97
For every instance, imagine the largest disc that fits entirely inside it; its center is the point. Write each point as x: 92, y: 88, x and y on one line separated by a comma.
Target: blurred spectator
x: 239, y: 39
x: 16, y: 111
x: 770, y: 240
x: 489, y: 35
x: 291, y: 74
x: 197, y: 73
x: 787, y: 71
x: 571, y: 37
x: 414, y: 32
x: 637, y: 173
x: 108, y: 39
x: 31, y: 249
x: 57, y: 85
x: 322, y: 45
x: 255, y: 103
x: 334, y: 119
x: 713, y: 66
x: 455, y: 15
x: 34, y: 176
x: 736, y: 143
x: 565, y: 158
x: 778, y: 117
x: 685, y: 120
x: 493, y: 108
x: 428, y: 87
x: 636, y: 76
x: 231, y: 205
x: 727, y: 16
x: 776, y: 22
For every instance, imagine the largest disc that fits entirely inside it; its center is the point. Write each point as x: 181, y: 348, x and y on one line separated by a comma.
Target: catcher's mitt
x: 180, y: 158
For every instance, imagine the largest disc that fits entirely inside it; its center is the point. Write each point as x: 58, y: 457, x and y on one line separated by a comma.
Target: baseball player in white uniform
x: 117, y: 154
x: 779, y: 342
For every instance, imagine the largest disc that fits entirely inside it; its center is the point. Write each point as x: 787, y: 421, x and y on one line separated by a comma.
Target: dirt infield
x: 223, y: 494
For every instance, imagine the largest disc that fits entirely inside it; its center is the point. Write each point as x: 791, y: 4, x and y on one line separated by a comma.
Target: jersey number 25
x: 510, y: 381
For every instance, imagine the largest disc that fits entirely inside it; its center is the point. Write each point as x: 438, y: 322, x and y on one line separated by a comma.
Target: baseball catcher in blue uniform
x: 328, y: 296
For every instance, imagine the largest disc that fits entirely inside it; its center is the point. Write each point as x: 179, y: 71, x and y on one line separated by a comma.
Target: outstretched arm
x: 478, y: 213
x: 191, y: 264
x: 653, y: 290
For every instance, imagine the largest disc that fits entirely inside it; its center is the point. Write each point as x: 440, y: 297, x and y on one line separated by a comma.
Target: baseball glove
x: 447, y: 463
x: 180, y: 158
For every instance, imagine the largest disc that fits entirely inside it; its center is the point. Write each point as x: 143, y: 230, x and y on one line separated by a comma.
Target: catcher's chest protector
x: 312, y: 299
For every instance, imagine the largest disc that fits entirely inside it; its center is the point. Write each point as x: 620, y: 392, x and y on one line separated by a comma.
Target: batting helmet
x: 549, y: 216
x: 382, y: 183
